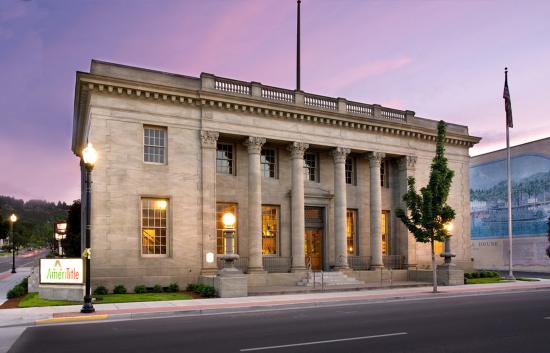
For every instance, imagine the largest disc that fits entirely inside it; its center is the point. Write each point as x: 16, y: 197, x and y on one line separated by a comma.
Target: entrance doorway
x: 314, y: 236
x: 313, y: 248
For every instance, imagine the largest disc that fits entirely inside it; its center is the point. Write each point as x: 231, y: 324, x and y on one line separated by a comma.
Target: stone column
x: 340, y: 206
x: 407, y: 242
x: 297, y: 150
x: 209, y: 140
x: 375, y: 158
x: 254, y: 145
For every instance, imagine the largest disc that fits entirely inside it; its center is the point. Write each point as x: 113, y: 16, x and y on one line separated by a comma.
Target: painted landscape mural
x: 530, y: 197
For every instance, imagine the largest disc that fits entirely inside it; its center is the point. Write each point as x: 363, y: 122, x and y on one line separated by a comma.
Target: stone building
x: 313, y: 181
x: 530, y: 208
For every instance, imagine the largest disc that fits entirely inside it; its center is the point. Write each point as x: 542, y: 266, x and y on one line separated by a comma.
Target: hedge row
x: 120, y: 289
x: 481, y: 274
x: 202, y: 289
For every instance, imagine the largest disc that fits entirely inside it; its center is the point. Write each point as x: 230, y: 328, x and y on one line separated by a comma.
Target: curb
x: 266, y: 307
x: 57, y: 320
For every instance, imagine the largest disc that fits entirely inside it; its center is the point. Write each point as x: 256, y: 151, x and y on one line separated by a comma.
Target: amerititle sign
x: 61, y: 271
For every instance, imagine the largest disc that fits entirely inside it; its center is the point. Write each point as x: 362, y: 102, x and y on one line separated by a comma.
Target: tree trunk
x: 434, y: 269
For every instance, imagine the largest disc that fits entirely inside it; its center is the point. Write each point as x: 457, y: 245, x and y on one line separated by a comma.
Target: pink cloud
x: 344, y: 78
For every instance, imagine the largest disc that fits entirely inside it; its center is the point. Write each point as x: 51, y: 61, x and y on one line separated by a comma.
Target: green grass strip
x: 32, y: 299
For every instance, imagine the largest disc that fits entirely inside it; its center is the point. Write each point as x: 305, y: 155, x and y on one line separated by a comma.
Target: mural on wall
x: 530, y: 197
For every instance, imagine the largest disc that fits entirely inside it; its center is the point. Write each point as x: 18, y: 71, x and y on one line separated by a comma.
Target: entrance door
x: 313, y: 247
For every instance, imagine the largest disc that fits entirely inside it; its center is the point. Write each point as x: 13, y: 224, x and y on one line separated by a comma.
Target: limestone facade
x: 115, y: 103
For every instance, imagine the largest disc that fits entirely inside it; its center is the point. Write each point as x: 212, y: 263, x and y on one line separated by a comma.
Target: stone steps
x: 335, y: 278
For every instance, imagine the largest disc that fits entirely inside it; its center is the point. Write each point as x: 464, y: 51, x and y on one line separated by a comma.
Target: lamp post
x: 13, y: 219
x: 447, y: 253
x: 89, y: 157
x: 60, y: 234
x: 229, y: 269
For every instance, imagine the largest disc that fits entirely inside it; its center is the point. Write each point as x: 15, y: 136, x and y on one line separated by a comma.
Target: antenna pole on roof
x: 298, y: 49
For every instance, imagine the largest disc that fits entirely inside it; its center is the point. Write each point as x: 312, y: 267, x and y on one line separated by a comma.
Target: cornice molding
x: 199, y: 98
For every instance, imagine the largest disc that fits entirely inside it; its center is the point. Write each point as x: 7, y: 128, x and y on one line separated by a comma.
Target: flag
x: 507, y: 101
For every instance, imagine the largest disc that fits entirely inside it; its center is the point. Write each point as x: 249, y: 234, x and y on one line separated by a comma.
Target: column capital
x: 209, y: 139
x: 339, y: 154
x: 297, y: 149
x: 254, y: 144
x: 375, y: 158
x: 407, y: 162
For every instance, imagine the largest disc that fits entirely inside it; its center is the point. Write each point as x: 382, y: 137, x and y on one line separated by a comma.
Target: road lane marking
x: 322, y: 342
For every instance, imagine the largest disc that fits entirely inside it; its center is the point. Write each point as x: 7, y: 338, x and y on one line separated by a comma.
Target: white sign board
x: 61, y: 271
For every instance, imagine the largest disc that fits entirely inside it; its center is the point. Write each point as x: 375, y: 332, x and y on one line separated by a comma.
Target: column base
x: 298, y: 269
x: 376, y: 267
x: 256, y: 270
x: 341, y: 267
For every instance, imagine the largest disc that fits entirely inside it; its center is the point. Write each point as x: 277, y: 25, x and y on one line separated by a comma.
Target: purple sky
x: 442, y: 59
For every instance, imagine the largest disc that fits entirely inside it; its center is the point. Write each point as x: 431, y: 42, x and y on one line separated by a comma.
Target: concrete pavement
x: 122, y: 311
x: 9, y: 280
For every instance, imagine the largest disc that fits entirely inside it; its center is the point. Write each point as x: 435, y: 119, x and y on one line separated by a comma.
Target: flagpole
x: 509, y: 172
x: 298, y: 47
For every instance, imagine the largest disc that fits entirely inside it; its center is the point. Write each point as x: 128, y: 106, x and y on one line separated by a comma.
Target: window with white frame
x: 311, y: 167
x: 268, y: 160
x: 154, y: 226
x: 154, y: 144
x: 225, y: 158
x: 350, y: 170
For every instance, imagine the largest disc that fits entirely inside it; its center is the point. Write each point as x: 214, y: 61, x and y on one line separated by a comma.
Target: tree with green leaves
x: 428, y: 212
x: 71, y: 243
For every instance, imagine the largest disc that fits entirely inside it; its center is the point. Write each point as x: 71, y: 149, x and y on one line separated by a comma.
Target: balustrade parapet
x: 304, y: 99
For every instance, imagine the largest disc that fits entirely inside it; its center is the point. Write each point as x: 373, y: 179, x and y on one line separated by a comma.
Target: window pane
x: 153, y: 226
x: 224, y: 158
x: 221, y: 209
x: 270, y: 229
x: 268, y: 162
x: 351, y: 216
x: 154, y: 141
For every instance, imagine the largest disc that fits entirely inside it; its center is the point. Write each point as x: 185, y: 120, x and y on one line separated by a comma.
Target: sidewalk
x: 9, y: 280
x: 45, y: 315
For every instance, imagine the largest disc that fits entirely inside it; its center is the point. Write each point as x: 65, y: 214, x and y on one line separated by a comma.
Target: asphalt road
x: 20, y: 261
x: 513, y: 322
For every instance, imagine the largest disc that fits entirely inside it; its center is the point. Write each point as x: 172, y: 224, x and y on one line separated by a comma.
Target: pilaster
x: 209, y: 140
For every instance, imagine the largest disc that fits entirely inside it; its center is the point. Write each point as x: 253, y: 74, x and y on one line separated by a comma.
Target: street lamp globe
x: 228, y: 220
x: 13, y: 218
x: 448, y: 227
x: 89, y: 156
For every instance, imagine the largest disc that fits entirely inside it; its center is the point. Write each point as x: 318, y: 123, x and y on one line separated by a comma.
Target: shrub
x: 494, y: 274
x: 157, y: 288
x: 140, y: 289
x: 173, y: 287
x: 202, y: 289
x: 467, y: 275
x: 120, y: 289
x: 475, y: 274
x: 20, y: 290
x: 101, y: 290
